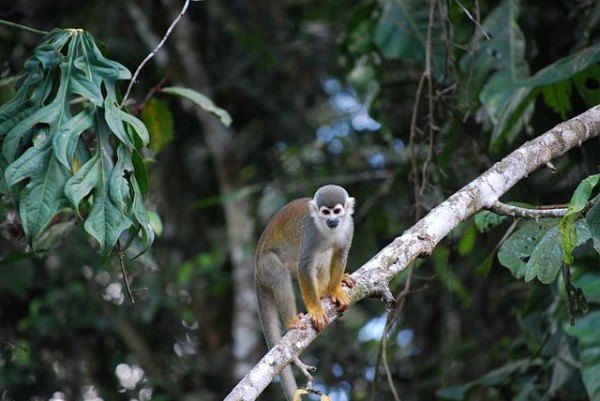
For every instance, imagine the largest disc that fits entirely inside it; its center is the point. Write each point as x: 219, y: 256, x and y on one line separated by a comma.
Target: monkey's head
x: 332, y: 205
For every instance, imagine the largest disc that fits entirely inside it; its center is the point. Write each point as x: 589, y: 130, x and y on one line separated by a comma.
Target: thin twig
x: 388, y: 372
x: 430, y: 117
x: 154, y: 90
x: 124, y: 273
x: 390, y: 322
x: 412, y: 145
x: 155, y: 50
x: 23, y: 27
x: 475, y: 19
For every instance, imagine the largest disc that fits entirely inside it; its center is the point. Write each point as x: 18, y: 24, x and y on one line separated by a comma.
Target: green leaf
x: 401, y: 33
x: 558, y: 97
x: 9, y: 120
x: 82, y: 85
x: 141, y: 216
x: 65, y: 140
x: 502, y: 61
x: 516, y: 251
x: 83, y: 182
x: 45, y: 115
x: 506, y: 48
x: 199, y: 100
x: 577, y: 205
x: 95, y: 63
x: 55, y: 114
x: 510, y: 111
x: 138, y: 126
x: 586, y: 332
x: 587, y: 83
x: 590, y: 285
x: 112, y: 116
x: 140, y: 172
x: 119, y: 184
x: 158, y: 118
x: 486, y: 220
x: 106, y: 221
x: 547, y: 257
x: 593, y: 220
x: 565, y: 68
x: 43, y: 195
x: 466, y: 243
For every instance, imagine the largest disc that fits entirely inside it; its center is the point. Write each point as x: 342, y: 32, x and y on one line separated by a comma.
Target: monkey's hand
x: 341, y: 298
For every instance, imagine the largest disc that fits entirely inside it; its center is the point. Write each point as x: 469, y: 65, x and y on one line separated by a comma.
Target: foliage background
x: 319, y: 92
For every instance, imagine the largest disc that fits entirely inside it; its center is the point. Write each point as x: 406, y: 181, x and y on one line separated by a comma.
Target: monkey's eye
x: 337, y: 210
x: 325, y: 211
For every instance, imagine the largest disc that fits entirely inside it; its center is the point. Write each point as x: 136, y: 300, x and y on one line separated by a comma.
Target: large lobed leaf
x: 70, y: 89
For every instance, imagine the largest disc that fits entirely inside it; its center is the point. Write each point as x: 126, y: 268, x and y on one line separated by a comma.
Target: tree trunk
x: 238, y: 209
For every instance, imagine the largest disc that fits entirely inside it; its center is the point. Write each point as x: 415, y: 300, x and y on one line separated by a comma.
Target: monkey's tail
x: 288, y: 381
x: 271, y: 326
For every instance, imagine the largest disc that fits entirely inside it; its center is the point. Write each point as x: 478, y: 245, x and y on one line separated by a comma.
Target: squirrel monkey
x: 307, y: 240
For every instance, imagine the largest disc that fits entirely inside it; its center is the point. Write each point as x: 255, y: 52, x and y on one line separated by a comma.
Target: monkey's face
x: 331, y: 209
x: 332, y: 215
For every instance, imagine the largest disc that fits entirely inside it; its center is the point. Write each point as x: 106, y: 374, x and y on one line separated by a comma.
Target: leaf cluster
x: 66, y: 143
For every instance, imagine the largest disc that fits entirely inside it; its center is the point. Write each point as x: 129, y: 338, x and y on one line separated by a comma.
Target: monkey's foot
x: 298, y: 323
x: 319, y: 320
x: 348, y: 280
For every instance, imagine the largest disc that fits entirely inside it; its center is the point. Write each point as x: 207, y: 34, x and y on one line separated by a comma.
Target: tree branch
x: 422, y: 238
x: 517, y: 211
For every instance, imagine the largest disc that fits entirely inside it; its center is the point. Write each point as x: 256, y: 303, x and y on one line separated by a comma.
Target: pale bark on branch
x: 373, y: 277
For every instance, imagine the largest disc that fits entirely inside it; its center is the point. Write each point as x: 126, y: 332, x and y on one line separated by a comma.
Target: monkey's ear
x: 350, y: 206
x: 312, y: 206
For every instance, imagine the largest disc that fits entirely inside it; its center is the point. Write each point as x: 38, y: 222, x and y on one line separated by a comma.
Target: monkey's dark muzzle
x: 332, y: 223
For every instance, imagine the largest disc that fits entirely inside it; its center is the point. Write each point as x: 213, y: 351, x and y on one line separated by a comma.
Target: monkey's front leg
x: 307, y: 279
x: 337, y: 276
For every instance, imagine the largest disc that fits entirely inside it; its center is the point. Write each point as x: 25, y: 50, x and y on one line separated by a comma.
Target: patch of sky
x: 398, y: 145
x: 353, y: 114
x: 335, y: 146
x: 373, y: 330
x: 377, y: 160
